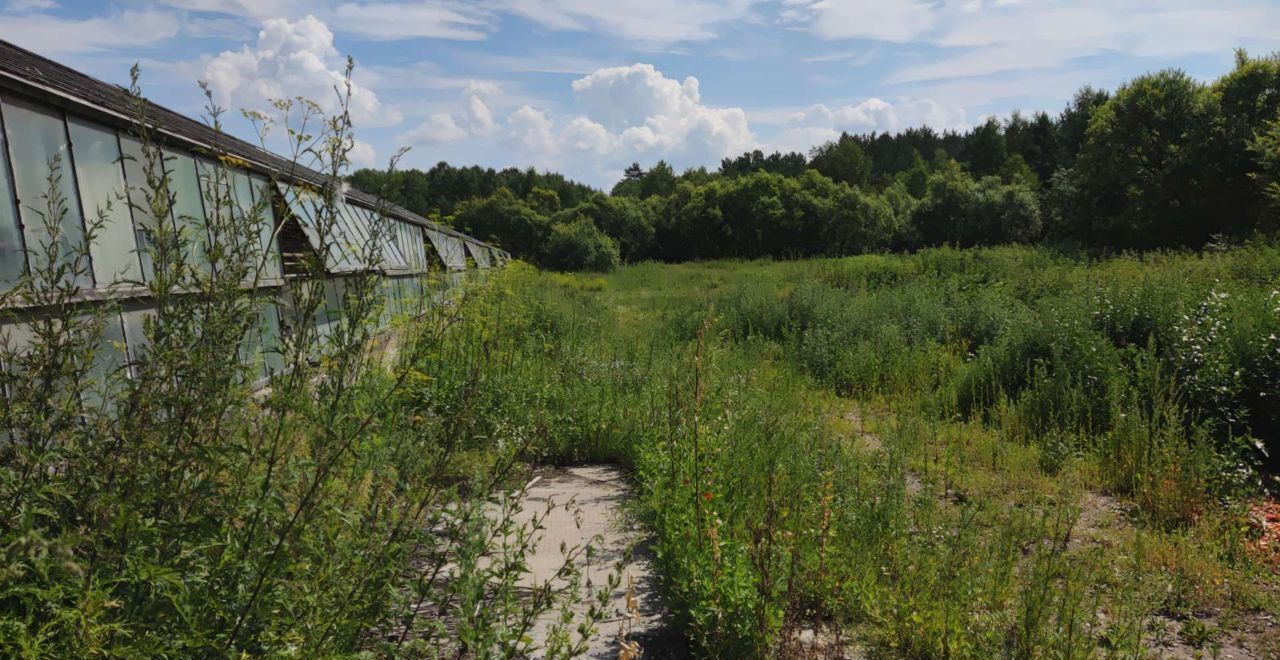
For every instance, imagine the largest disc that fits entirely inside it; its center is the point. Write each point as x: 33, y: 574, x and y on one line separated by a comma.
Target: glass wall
x: 144, y: 223
x: 304, y: 205
x: 188, y: 208
x: 41, y: 160
x: 102, y: 192
x: 136, y: 337
x: 109, y: 360
x: 272, y: 268
x: 269, y: 324
x: 13, y: 260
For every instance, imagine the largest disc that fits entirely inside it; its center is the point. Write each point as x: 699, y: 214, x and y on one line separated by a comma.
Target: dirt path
x: 586, y: 507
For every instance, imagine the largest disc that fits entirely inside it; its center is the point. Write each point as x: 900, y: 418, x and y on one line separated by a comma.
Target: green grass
x: 958, y: 453
x: 1060, y: 452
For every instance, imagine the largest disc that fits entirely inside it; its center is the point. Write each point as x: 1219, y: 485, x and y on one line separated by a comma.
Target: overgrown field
x: 957, y: 453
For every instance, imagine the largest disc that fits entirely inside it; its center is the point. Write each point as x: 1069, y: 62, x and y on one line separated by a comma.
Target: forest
x: 1164, y: 161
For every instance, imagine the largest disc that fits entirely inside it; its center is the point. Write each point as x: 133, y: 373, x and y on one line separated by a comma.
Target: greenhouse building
x: 65, y: 131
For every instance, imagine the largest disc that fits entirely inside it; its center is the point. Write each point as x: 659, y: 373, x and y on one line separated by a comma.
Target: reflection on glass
x: 266, y: 227
x: 144, y: 223
x: 109, y: 359
x: 188, y: 207
x: 98, y: 171
x: 136, y: 337
x: 42, y: 165
x: 12, y: 258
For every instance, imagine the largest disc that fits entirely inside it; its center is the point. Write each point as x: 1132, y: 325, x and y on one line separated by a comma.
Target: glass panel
x: 301, y: 212
x: 188, y: 207
x: 273, y: 360
x: 409, y: 245
x: 329, y: 311
x: 38, y: 142
x: 12, y: 257
x: 356, y: 226
x: 478, y: 254
x: 16, y: 337
x: 251, y: 347
x: 136, y: 337
x: 355, y: 241
x: 109, y: 358
x: 266, y: 226
x: 242, y: 194
x: 388, y: 301
x: 143, y: 221
x: 220, y: 207
x: 101, y: 179
x: 391, y: 242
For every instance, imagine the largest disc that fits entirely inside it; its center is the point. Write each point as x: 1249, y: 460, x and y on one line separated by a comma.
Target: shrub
x: 580, y: 246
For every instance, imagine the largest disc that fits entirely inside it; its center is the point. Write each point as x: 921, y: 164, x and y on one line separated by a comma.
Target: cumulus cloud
x: 618, y: 115
x: 436, y: 129
x: 588, y: 137
x: 647, y: 115
x: 473, y: 117
x: 812, y: 126
x: 530, y: 130
x: 362, y: 154
x: 292, y: 59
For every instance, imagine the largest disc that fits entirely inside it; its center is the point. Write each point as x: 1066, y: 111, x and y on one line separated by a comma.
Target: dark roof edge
x: 39, y: 77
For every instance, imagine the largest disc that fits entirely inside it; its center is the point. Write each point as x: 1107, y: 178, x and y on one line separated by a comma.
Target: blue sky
x: 587, y: 86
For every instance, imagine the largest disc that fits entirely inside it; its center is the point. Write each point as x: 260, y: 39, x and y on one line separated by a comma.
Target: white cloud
x: 362, y: 154
x: 882, y: 20
x: 619, y: 115
x: 50, y: 35
x: 987, y: 60
x: 292, y: 59
x: 985, y: 37
x: 812, y: 126
x: 659, y: 22
x: 472, y: 117
x: 652, y: 116
x: 530, y: 130
x: 853, y: 57
x: 391, y: 21
x: 584, y: 135
x: 438, y: 128
x: 22, y: 6
x: 245, y: 8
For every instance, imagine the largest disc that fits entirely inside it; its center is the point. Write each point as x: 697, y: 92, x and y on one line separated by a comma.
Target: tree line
x: 1164, y: 161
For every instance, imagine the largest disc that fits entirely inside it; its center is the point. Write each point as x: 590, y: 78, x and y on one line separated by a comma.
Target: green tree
x: 580, y: 246
x: 504, y: 219
x: 1016, y: 171
x: 916, y: 179
x: 1247, y: 101
x: 842, y: 160
x: 1266, y: 149
x: 963, y: 212
x: 629, y: 186
x: 985, y: 150
x: 660, y: 180
x: 624, y: 219
x: 1143, y: 180
x: 542, y: 200
x: 1073, y: 124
